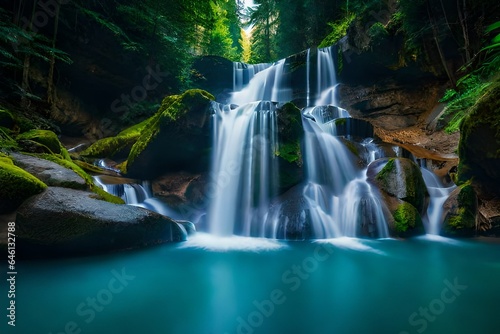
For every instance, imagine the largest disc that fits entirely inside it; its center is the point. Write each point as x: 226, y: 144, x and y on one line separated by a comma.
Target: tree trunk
x: 462, y: 16
x: 25, y: 83
x: 51, y: 94
x: 435, y: 34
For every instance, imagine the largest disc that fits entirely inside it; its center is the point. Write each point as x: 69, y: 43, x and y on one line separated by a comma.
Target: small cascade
x: 243, y: 73
x: 340, y: 200
x: 327, y: 80
x: 269, y: 84
x: 244, y: 167
x: 438, y: 194
x: 136, y: 194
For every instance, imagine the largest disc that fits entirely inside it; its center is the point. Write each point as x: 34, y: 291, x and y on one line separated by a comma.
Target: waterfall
x: 269, y: 84
x: 327, y: 80
x: 438, y: 194
x: 341, y: 201
x: 243, y: 73
x: 244, y: 168
x: 334, y: 199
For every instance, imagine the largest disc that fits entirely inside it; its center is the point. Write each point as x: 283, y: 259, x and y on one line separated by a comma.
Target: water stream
x: 339, y: 199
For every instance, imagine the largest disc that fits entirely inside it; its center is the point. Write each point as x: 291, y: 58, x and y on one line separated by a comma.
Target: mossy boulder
x: 47, y: 139
x: 407, y: 221
x: 16, y: 185
x: 99, y: 193
x: 62, y: 222
x: 479, y: 147
x: 51, y: 173
x: 177, y: 137
x: 117, y: 146
x: 460, y: 211
x: 400, y: 178
x: 290, y: 134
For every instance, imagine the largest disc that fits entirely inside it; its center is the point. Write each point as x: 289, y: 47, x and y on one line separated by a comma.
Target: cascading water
x: 438, y: 194
x: 136, y: 194
x: 336, y: 199
x: 341, y: 202
x: 244, y: 167
x: 269, y: 84
x: 243, y: 73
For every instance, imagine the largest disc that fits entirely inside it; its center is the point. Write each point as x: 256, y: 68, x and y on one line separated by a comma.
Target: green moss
x: 481, y: 126
x: 461, y: 101
x: 88, y: 179
x: 289, y: 151
x: 400, y: 177
x: 378, y: 33
x: 289, y: 133
x: 388, y: 169
x: 339, y: 30
x: 46, y: 138
x: 406, y: 217
x: 7, y: 143
x: 108, y: 147
x: 88, y: 167
x: 17, y: 185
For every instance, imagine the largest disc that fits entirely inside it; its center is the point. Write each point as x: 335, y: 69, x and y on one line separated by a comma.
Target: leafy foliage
x: 339, y: 30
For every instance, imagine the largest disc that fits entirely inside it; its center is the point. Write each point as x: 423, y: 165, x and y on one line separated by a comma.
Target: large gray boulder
x: 60, y: 222
x: 49, y: 172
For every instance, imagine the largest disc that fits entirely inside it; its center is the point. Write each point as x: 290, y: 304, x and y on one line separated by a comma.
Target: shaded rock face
x: 479, y: 147
x: 292, y: 214
x: 460, y: 212
x: 61, y: 222
x: 213, y: 74
x: 49, y: 172
x: 390, y: 105
x: 177, y: 138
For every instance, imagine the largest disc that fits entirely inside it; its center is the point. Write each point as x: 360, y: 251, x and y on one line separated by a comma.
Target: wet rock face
x: 403, y: 188
x: 61, y: 222
x: 389, y: 106
x: 290, y: 214
x: 176, y: 138
x: 400, y: 178
x: 460, y: 212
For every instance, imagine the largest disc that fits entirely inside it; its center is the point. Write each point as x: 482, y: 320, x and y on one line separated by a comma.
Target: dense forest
x: 51, y: 48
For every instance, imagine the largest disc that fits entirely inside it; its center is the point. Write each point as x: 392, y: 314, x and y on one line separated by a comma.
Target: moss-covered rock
x: 117, y: 146
x: 176, y: 137
x: 62, y: 222
x: 401, y: 178
x: 289, y: 137
x: 16, y: 185
x: 479, y: 147
x: 47, y: 139
x: 460, y: 210
x: 7, y: 143
x: 100, y: 193
x: 51, y: 173
x: 407, y: 221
